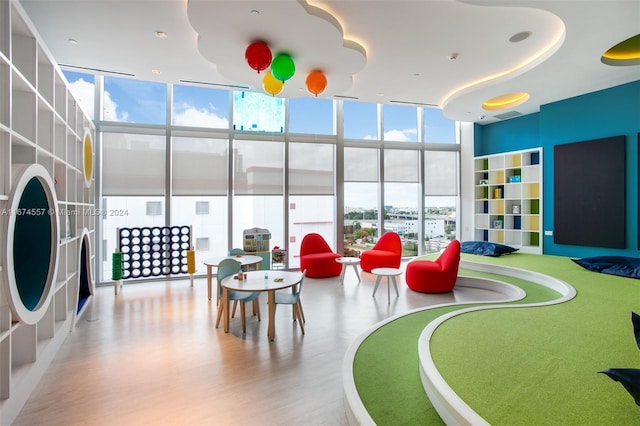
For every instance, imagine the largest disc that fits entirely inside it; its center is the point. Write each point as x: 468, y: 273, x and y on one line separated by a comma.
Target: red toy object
x: 385, y: 254
x: 437, y: 276
x: 317, y: 258
x: 258, y: 56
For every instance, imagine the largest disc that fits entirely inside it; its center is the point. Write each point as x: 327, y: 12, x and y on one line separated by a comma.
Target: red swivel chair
x: 439, y: 276
x: 317, y: 258
x: 385, y: 254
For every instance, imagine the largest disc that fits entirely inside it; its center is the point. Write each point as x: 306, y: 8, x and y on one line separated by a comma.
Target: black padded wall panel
x: 589, y: 193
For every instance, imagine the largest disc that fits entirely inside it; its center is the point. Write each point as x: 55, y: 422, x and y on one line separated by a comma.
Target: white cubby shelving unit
x: 508, y: 199
x: 40, y: 123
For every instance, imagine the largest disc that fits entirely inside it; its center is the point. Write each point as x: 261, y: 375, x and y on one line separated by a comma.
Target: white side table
x: 389, y: 273
x: 346, y: 261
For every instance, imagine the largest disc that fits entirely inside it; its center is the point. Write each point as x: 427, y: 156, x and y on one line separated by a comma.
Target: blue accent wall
x: 510, y: 135
x: 610, y: 112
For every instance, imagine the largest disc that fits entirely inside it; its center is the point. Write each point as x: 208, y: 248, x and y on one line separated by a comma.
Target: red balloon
x: 316, y: 82
x: 258, y: 56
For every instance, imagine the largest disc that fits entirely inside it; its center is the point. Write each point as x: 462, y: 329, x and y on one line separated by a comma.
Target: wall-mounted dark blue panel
x: 589, y: 193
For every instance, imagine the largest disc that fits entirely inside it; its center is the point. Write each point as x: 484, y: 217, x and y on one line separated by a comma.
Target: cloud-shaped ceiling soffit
x: 311, y: 36
x: 548, y: 36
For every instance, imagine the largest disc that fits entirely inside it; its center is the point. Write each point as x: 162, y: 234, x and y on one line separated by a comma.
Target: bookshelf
x: 46, y: 205
x: 508, y: 199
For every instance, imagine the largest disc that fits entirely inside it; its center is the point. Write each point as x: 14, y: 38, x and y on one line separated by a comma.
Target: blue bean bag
x: 613, y: 265
x: 485, y: 248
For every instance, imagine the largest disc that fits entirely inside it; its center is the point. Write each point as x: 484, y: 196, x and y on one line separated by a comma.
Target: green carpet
x: 513, y: 366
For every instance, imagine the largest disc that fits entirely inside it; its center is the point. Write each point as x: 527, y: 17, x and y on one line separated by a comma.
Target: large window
x: 400, y: 123
x: 133, y: 164
x: 360, y: 120
x: 274, y: 165
x: 312, y: 116
x: 82, y: 87
x: 199, y: 166
x: 208, y: 227
x: 401, y: 193
x: 200, y: 186
x: 361, y: 195
x: 126, y: 212
x: 134, y: 101
x: 311, y: 191
x: 258, y: 181
x: 437, y: 128
x: 258, y: 167
x: 133, y: 185
x: 441, y: 199
x: 259, y: 211
x: 200, y: 107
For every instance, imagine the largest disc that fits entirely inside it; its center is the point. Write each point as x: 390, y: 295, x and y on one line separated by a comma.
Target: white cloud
x: 83, y: 91
x: 188, y: 115
x: 110, y: 110
x: 400, y: 135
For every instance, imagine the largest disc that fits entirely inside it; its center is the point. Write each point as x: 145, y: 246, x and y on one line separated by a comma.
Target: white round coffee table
x: 346, y: 261
x: 389, y: 273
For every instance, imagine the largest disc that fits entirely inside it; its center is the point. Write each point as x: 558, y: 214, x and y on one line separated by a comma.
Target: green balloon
x: 282, y: 67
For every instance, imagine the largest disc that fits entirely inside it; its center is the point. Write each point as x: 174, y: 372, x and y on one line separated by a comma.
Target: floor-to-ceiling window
x: 401, y: 195
x: 311, y: 173
x: 361, y: 198
x: 440, y: 181
x: 258, y: 189
x: 227, y: 161
x: 199, y: 192
x: 133, y: 186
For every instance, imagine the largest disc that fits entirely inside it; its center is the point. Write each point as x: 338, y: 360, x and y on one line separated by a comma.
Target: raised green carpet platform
x: 533, y: 365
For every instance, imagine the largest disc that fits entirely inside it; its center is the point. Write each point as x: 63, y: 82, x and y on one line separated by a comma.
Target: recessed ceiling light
x: 453, y: 56
x: 380, y: 94
x: 160, y: 34
x: 523, y: 35
x: 508, y: 100
x: 156, y: 71
x: 255, y: 12
x: 72, y: 41
x: 627, y: 52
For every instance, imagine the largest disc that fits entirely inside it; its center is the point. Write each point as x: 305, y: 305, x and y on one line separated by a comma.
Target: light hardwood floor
x: 153, y: 356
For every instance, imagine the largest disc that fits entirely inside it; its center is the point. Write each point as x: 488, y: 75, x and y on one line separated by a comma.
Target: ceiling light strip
x: 534, y: 59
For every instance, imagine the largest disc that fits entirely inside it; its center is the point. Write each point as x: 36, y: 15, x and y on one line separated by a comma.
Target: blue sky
x: 145, y: 102
x: 137, y: 101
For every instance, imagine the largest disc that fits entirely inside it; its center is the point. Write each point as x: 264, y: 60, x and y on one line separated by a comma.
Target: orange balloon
x: 316, y: 82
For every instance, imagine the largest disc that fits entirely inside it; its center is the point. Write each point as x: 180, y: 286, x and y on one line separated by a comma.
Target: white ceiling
x: 370, y: 50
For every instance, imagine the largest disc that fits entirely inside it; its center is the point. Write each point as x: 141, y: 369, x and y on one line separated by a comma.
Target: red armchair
x: 439, y: 276
x: 317, y: 258
x: 385, y: 254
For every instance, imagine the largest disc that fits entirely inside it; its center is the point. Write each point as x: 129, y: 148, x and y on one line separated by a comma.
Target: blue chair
x: 236, y: 252
x: 229, y: 267
x: 293, y: 298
